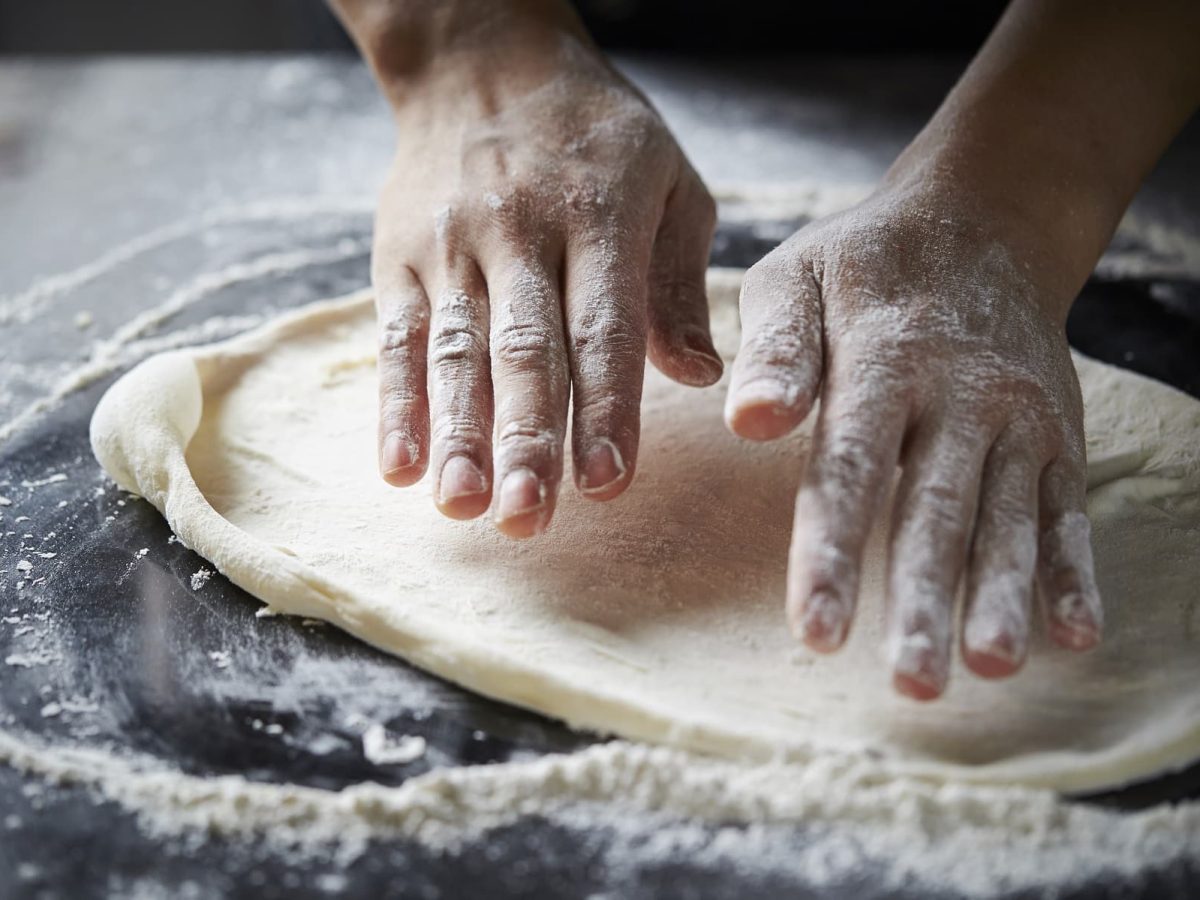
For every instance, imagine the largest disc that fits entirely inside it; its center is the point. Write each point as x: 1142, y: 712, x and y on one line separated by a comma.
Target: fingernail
x: 1002, y: 646
x: 698, y: 348
x: 763, y: 392
x: 918, y: 670
x: 1075, y: 621
x: 399, y: 452
x: 521, y: 493
x: 760, y: 410
x: 823, y: 623
x: 460, y: 478
x: 602, y: 467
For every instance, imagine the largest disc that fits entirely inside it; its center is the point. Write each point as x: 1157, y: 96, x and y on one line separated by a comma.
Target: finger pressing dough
x: 659, y: 616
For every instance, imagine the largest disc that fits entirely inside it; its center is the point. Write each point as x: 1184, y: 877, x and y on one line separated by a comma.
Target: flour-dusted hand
x: 929, y: 323
x: 927, y: 347
x: 540, y: 234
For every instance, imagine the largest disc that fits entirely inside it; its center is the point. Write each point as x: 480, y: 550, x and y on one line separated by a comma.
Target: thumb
x: 777, y: 372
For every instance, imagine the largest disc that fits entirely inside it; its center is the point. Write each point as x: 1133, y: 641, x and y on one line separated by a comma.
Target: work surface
x: 204, y: 195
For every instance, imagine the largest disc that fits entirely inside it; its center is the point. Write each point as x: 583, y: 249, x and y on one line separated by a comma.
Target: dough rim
x: 140, y: 433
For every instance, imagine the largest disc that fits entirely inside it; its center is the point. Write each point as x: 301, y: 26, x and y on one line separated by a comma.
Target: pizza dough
x: 659, y: 616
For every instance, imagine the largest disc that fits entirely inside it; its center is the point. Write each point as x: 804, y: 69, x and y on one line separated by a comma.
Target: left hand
x: 931, y: 345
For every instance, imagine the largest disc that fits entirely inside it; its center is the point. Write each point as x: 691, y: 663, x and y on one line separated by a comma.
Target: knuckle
x: 781, y: 301
x: 762, y: 277
x: 782, y: 268
x: 939, y: 506
x: 528, y: 440
x: 523, y: 346
x: 671, y: 284
x: 598, y: 335
x: 454, y: 431
x: 402, y: 334
x: 848, y: 462
x: 590, y: 204
x: 1008, y: 507
x: 609, y: 408
x: 398, y: 404
x: 517, y: 214
x: 454, y: 344
x: 780, y: 344
x: 457, y: 338
x: 400, y: 356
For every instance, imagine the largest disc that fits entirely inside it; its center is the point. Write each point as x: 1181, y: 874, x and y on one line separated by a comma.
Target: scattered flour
x: 42, y: 482
x: 826, y: 819
x: 823, y: 817
x: 24, y: 306
x: 386, y: 749
x: 31, y: 660
x: 200, y: 577
x: 128, y: 344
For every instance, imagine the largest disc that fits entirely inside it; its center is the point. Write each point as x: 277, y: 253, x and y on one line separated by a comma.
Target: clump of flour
x: 383, y: 748
x: 824, y: 820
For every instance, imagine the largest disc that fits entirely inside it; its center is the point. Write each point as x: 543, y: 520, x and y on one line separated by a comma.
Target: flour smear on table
x: 847, y: 810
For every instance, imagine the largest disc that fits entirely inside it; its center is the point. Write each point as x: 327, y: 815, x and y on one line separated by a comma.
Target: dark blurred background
x: 741, y: 28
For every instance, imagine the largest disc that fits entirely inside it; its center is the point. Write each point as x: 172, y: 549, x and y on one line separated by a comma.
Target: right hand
x: 539, y: 235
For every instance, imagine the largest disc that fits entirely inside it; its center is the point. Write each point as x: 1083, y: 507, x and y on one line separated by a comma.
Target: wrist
x: 412, y: 45
x: 1052, y: 211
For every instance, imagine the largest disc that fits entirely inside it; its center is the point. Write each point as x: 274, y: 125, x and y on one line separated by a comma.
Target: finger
x: 530, y: 380
x: 460, y: 394
x: 995, y: 636
x: 778, y: 368
x: 1065, y: 571
x: 933, y: 513
x: 402, y: 311
x: 679, y: 340
x: 855, y: 448
x: 606, y: 334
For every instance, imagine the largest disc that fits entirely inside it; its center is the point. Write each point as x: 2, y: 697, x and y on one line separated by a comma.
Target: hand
x: 930, y: 346
x: 540, y: 234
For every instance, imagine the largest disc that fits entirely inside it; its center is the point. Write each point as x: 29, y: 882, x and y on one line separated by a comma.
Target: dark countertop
x: 190, y: 167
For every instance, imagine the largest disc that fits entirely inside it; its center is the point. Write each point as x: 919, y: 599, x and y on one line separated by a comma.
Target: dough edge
x: 140, y: 433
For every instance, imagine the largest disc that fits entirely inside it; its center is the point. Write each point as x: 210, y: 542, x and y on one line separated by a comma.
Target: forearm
x: 1059, y: 118
x: 406, y: 42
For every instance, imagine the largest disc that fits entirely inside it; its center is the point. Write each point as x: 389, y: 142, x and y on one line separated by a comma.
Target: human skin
x: 541, y: 233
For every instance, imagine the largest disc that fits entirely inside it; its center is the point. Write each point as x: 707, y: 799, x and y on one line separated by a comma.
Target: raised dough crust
x: 659, y: 616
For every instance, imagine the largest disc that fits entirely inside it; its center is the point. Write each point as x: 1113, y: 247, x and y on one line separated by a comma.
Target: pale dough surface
x: 659, y: 616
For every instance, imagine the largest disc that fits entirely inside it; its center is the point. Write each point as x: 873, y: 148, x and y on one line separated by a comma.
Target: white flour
x: 127, y: 344
x: 386, y: 749
x: 824, y: 818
